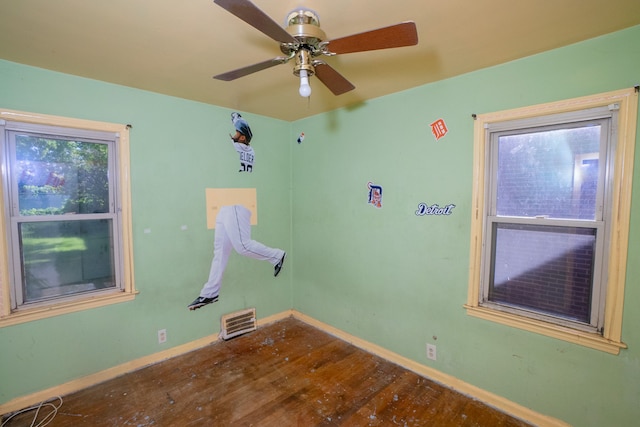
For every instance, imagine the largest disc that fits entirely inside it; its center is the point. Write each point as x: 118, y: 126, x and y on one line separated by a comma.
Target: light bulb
x: 305, y: 89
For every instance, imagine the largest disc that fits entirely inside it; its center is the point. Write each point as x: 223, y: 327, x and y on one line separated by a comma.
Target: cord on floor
x: 44, y: 404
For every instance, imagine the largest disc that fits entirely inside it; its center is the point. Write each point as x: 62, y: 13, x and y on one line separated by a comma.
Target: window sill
x: 51, y: 310
x: 586, y: 339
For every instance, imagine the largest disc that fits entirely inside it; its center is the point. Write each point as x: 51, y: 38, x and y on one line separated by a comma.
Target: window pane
x: 61, y: 176
x: 551, y: 271
x: 66, y: 257
x: 550, y: 173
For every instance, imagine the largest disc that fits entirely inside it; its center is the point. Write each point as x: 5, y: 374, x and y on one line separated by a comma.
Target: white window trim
x: 611, y: 339
x: 9, y: 317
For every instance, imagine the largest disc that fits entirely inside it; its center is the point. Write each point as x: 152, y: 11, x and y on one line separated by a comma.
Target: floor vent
x: 238, y: 323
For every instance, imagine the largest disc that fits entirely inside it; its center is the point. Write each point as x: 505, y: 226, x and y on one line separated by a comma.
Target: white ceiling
x: 174, y: 47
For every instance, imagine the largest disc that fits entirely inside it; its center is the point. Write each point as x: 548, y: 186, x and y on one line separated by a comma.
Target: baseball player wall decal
x: 242, y: 142
x: 233, y: 230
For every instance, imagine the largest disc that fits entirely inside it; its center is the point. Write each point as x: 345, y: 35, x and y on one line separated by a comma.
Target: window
x: 551, y: 217
x: 66, y: 216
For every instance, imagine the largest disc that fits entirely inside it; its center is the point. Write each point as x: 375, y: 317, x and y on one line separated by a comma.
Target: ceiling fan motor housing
x: 304, y: 26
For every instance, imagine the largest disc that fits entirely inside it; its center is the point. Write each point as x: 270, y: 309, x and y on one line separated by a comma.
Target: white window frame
x: 606, y: 337
x: 11, y: 312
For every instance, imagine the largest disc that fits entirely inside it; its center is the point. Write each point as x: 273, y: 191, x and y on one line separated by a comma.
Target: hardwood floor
x: 284, y: 374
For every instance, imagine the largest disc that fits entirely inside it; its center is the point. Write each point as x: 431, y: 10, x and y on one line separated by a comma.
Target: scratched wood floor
x: 284, y: 374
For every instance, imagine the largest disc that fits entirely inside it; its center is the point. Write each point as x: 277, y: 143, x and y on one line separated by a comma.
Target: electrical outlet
x: 162, y: 336
x: 431, y: 351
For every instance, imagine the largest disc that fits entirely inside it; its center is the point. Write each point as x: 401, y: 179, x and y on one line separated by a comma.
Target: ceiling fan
x: 304, y: 41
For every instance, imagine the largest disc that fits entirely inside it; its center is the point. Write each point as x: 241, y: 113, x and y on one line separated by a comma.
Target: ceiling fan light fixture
x: 305, y: 88
x: 303, y: 69
x: 302, y: 16
x: 304, y: 26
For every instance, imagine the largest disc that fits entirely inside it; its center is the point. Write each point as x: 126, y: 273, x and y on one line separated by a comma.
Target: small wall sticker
x: 300, y: 137
x: 425, y: 209
x: 439, y: 128
x: 375, y: 194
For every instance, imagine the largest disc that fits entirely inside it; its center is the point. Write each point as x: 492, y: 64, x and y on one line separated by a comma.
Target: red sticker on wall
x: 439, y: 128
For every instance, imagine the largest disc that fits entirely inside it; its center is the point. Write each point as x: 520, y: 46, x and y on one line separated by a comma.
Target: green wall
x: 385, y: 275
x: 178, y: 149
x: 399, y: 280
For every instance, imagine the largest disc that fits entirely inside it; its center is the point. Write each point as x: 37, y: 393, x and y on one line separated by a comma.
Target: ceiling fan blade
x: 253, y: 16
x: 399, y: 35
x: 244, y: 71
x: 331, y: 78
